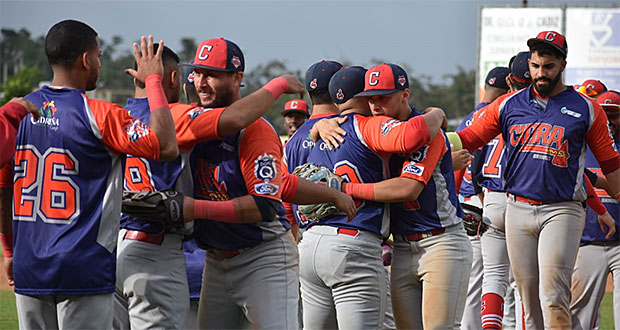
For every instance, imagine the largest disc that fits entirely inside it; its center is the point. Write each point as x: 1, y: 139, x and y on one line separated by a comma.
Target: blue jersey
x: 296, y: 151
x: 144, y: 174
x: 544, y: 142
x: 438, y: 205
x: 67, y: 192
x: 246, y: 163
x: 467, y: 186
x: 592, y: 230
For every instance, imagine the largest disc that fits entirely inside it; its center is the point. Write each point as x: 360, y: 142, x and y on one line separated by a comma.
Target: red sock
x: 492, y: 311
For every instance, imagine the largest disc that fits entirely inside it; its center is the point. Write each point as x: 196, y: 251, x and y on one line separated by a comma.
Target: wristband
x: 155, y: 92
x: 276, y: 87
x: 592, y: 199
x: 222, y: 211
x: 7, y: 245
x: 364, y: 191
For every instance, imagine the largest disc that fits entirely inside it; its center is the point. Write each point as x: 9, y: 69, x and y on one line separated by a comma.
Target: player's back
x: 297, y: 148
x: 355, y: 162
x: 67, y: 197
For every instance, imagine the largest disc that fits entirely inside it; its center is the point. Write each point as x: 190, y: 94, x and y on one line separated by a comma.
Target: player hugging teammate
x: 212, y: 176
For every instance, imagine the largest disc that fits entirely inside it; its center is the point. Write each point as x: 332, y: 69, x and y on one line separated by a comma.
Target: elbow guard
x: 268, y: 207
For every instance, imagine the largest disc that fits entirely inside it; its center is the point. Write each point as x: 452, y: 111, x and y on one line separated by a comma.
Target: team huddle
x: 371, y: 216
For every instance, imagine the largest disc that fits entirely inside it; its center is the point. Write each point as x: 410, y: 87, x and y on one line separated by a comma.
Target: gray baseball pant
x: 542, y: 245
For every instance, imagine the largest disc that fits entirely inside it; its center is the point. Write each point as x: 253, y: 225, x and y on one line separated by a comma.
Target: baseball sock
x: 492, y: 311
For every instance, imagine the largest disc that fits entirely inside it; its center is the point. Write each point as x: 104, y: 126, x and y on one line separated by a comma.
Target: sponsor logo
x: 313, y: 83
x: 402, y: 80
x: 266, y: 188
x: 195, y: 112
x: 571, y: 113
x: 265, y: 167
x: 235, y: 61
x: 414, y: 169
x: 340, y: 95
x: 48, y: 116
x: 208, y: 183
x: 136, y: 129
x: 387, y: 126
x: 307, y: 143
x: 543, y: 139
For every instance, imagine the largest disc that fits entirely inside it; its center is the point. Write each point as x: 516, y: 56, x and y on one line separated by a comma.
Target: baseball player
x: 495, y: 86
x: 68, y: 170
x: 295, y: 113
x: 298, y: 146
x: 546, y: 128
x: 599, y: 254
x: 10, y: 115
x: 351, y: 296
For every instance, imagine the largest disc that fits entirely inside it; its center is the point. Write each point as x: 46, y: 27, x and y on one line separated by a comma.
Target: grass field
x: 8, y: 311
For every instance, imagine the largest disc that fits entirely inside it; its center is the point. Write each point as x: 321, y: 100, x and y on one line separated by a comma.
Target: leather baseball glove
x: 472, y: 220
x: 164, y: 207
x: 318, y: 174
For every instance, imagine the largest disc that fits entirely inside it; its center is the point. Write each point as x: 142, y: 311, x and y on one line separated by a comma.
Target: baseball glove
x: 472, y: 220
x: 319, y: 174
x: 164, y: 207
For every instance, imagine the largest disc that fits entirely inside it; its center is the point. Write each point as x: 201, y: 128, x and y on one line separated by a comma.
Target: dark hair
x: 67, y: 40
x: 321, y: 97
x: 543, y: 48
x: 518, y: 85
x: 168, y: 56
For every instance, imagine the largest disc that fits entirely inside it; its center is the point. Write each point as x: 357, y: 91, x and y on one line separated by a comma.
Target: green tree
x: 20, y: 84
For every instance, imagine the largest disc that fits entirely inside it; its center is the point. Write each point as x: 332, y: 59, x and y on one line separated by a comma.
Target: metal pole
x: 524, y: 3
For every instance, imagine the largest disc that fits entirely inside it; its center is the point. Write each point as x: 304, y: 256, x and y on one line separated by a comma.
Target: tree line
x: 24, y: 65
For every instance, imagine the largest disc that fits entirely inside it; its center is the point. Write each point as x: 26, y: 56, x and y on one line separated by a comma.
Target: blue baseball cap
x: 318, y: 75
x: 497, y: 77
x: 188, y: 72
x: 384, y: 79
x: 519, y: 69
x: 346, y: 83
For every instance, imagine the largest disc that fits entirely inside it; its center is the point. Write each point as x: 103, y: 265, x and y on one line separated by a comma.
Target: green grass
x: 8, y: 311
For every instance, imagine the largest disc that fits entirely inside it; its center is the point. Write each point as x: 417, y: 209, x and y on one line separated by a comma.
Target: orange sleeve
x: 260, y: 157
x: 458, y: 178
x: 600, y: 142
x: 11, y: 115
x: 421, y: 164
x: 195, y: 124
x: 6, y: 176
x: 485, y: 126
x: 385, y: 135
x: 122, y: 133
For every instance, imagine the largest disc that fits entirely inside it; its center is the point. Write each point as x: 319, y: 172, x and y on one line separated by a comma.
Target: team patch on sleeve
x: 265, y: 170
x: 413, y: 168
x: 387, y: 126
x: 136, y: 130
x: 419, y: 155
x: 195, y: 112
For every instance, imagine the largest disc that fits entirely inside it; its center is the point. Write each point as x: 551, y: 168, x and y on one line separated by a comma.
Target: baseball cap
x: 296, y: 105
x: 219, y: 55
x: 519, y: 68
x: 384, y: 79
x: 552, y: 38
x: 189, y: 74
x: 346, y: 83
x: 592, y: 88
x: 497, y: 77
x: 318, y: 75
x: 610, y: 101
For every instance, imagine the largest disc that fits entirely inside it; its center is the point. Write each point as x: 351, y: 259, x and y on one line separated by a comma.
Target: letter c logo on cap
x: 294, y: 105
x: 201, y: 54
x: 550, y: 36
x: 373, y: 80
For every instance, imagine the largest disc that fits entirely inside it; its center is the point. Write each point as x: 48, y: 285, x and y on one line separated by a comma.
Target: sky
x: 433, y: 37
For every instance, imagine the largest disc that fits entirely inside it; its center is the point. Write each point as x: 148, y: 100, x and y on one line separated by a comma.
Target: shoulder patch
x: 387, y: 126
x: 412, y: 168
x: 265, y: 167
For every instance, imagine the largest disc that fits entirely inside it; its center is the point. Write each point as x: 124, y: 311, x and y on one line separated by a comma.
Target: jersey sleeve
x: 385, y: 135
x: 421, y: 164
x: 600, y: 142
x: 260, y: 158
x: 6, y: 176
x: 195, y: 124
x: 10, y: 116
x: 122, y: 133
x: 485, y: 126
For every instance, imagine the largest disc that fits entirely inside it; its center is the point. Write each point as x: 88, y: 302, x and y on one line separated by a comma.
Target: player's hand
x: 329, y: 131
x: 148, y: 61
x: 30, y: 108
x: 441, y: 113
x: 8, y: 268
x: 605, y: 220
x: 294, y: 85
x: 460, y: 159
x: 345, y: 203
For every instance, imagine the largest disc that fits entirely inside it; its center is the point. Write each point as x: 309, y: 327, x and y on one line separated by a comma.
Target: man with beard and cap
x: 295, y: 113
x: 546, y: 128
